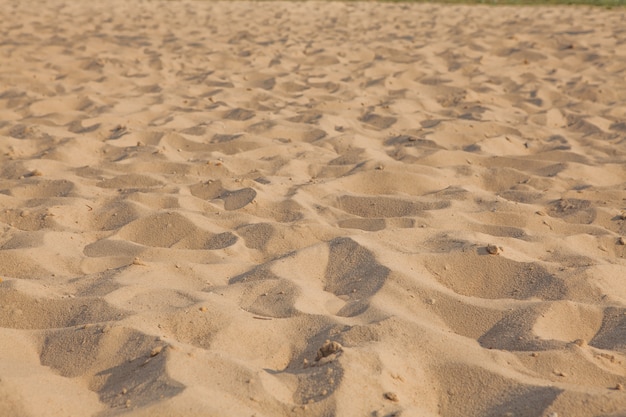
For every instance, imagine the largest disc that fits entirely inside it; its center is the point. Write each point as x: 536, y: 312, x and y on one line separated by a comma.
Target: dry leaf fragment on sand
x: 327, y: 349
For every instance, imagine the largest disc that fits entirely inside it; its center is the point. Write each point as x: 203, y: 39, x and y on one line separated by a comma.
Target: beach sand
x: 311, y: 209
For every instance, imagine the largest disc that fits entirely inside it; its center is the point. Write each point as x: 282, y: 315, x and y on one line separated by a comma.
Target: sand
x: 311, y: 209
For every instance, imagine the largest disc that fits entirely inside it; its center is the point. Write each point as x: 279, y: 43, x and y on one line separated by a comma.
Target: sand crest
x: 311, y: 209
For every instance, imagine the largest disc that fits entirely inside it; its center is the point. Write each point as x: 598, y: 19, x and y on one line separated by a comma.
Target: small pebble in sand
x: 622, y: 215
x: 580, y: 342
x: 619, y: 387
x: 392, y: 396
x: 156, y: 351
x: 493, y: 249
x: 203, y: 309
x: 621, y: 241
x: 327, y: 349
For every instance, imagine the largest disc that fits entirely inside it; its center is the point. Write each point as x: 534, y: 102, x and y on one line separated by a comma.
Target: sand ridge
x: 311, y: 208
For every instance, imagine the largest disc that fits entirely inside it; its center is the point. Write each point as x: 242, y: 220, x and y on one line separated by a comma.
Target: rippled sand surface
x: 311, y: 209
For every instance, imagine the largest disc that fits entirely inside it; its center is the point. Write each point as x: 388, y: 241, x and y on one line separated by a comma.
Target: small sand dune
x: 311, y: 209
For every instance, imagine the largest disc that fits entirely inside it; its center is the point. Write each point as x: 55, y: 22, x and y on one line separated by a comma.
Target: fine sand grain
x: 311, y: 209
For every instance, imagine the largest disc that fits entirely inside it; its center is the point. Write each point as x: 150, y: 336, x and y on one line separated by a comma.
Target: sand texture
x: 311, y: 209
